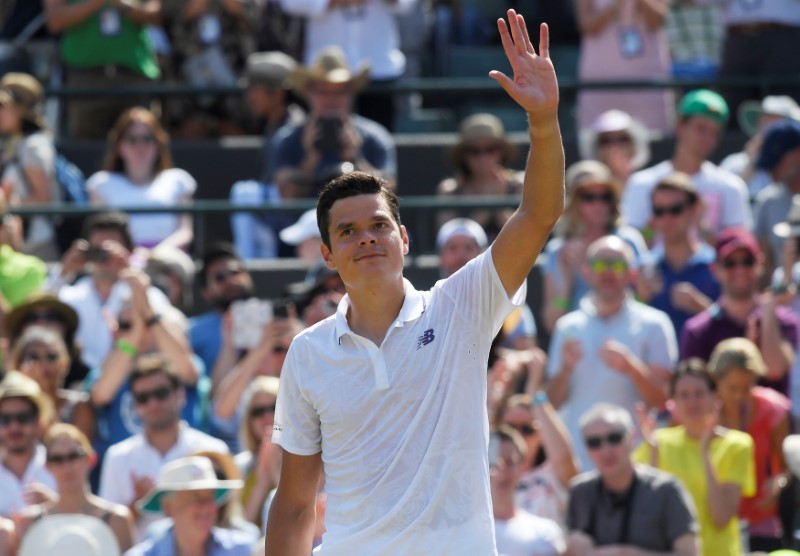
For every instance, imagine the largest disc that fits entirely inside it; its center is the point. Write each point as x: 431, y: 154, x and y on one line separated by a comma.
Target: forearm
x: 226, y: 361
x: 289, y: 532
x: 654, y: 13
x: 592, y: 21
x: 556, y: 442
x: 647, y: 383
x: 558, y: 391
x: 721, y: 509
x: 115, y: 371
x: 772, y: 346
x: 234, y: 384
x: 176, y: 350
x: 543, y: 187
x: 60, y: 15
x: 181, y: 237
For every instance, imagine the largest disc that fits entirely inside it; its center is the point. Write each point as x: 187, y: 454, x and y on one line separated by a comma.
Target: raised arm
x: 535, y: 88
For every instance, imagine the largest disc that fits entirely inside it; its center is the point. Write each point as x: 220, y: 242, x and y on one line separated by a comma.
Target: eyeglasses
x: 612, y: 439
x: 605, y: 140
x: 139, y: 139
x: 587, y: 197
x: 6, y: 419
x: 159, y: 394
x: 58, y: 459
x: 261, y: 410
x: 746, y: 262
x: 50, y: 357
x: 477, y: 151
x: 46, y: 316
x: 222, y: 275
x: 616, y: 266
x: 524, y: 429
x: 673, y: 210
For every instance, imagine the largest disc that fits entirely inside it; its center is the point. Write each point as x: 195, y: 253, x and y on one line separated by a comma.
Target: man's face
x: 158, y: 403
x: 328, y: 100
x: 261, y: 100
x: 367, y: 245
x: 608, y: 273
x: 192, y: 510
x: 738, y: 274
x: 699, y: 134
x: 609, y: 446
x: 19, y: 425
x: 99, y: 240
x: 227, y: 281
x: 458, y: 251
x: 673, y: 215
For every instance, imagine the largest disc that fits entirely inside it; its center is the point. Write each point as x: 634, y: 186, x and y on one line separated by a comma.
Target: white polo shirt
x: 402, y: 427
x: 12, y: 488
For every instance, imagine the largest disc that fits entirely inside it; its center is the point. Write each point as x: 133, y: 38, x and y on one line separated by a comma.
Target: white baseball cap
x: 305, y: 228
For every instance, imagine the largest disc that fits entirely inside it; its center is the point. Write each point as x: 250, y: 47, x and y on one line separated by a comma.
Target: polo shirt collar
x: 413, y: 306
x: 704, y: 255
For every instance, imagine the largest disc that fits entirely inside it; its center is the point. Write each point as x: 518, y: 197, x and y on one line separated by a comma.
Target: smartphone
x: 248, y: 318
x: 96, y: 255
x: 329, y: 134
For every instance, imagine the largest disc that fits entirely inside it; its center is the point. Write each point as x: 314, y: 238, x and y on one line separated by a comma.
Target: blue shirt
x: 222, y: 542
x: 205, y: 337
x: 697, y: 272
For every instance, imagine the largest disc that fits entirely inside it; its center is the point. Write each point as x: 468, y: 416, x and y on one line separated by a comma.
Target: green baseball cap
x: 703, y: 102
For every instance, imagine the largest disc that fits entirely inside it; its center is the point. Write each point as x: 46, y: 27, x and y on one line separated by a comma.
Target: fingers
x: 544, y: 40
x: 525, y: 36
x: 516, y: 32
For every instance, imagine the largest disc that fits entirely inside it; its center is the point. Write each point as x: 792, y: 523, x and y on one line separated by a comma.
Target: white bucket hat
x: 305, y: 228
x: 616, y: 120
x: 775, y: 105
x: 192, y: 473
x: 70, y: 534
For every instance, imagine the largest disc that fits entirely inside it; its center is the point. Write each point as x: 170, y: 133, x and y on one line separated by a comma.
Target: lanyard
x: 627, y: 502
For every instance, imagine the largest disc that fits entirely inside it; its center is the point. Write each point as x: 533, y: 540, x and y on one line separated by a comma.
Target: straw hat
x: 750, y: 111
x: 70, y: 534
x: 17, y: 385
x: 791, y: 227
x: 589, y: 172
x: 330, y: 66
x: 26, y: 93
x: 190, y: 473
x: 36, y: 302
x: 481, y: 127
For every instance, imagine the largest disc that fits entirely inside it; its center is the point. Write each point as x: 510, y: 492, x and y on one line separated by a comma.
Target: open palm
x: 534, y: 86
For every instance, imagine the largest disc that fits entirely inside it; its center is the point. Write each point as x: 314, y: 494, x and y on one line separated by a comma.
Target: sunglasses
x: 139, y: 139
x: 39, y: 316
x: 616, y: 266
x: 279, y: 350
x: 223, y: 275
x: 159, y: 394
x: 49, y: 357
x: 58, y: 459
x: 587, y: 197
x: 605, y: 140
x: 261, y: 410
x: 124, y: 325
x: 6, y: 419
x: 523, y: 429
x: 477, y: 151
x: 746, y: 262
x: 612, y: 439
x: 673, y: 210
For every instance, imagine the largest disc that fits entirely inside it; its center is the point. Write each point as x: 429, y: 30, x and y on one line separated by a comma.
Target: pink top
x: 541, y: 493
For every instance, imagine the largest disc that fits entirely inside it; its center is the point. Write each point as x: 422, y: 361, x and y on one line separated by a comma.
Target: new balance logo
x: 426, y: 338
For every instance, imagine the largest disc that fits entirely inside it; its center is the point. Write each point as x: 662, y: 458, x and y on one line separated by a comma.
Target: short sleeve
x: 635, y: 204
x: 186, y: 184
x: 737, y: 210
x: 297, y: 425
x: 680, y: 512
x: 737, y: 465
x: 37, y: 151
x: 690, y: 345
x: 662, y: 346
x: 554, y: 351
x: 98, y: 183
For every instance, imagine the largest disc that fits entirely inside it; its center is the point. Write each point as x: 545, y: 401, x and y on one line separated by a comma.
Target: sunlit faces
x: 19, y: 425
x: 68, y: 461
x: 699, y: 135
x: 10, y: 119
x: 158, y: 402
x: 694, y: 399
x: 227, y: 280
x: 608, y: 272
x: 192, y: 510
x: 138, y: 146
x: 735, y: 386
x: 366, y: 242
x: 672, y: 213
x: 738, y: 274
x: 261, y: 413
x: 595, y: 203
x: 608, y: 446
x: 45, y: 364
x: 456, y: 252
x: 505, y: 473
x: 329, y: 99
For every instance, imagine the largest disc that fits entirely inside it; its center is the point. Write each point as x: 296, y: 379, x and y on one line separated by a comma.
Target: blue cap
x: 780, y: 138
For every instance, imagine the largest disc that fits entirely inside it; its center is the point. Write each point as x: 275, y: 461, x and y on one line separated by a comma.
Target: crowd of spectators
x: 649, y: 411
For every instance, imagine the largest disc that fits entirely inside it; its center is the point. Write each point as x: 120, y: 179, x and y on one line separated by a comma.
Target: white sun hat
x: 305, y: 228
x: 70, y: 534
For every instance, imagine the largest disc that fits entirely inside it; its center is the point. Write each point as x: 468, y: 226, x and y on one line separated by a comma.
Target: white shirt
x: 135, y: 457
x: 529, y: 535
x: 402, y: 427
x: 12, y: 489
x: 737, y: 163
x: 167, y: 189
x: 366, y: 32
x: 93, y: 332
x: 725, y: 196
x: 646, y: 331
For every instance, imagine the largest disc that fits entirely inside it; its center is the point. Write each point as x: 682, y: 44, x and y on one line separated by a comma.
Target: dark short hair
x: 111, y: 220
x: 215, y: 251
x: 153, y: 363
x: 350, y: 185
x: 694, y: 367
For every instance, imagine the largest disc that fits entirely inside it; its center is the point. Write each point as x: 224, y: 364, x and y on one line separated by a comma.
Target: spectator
x: 622, y: 506
x: 46, y: 311
x: 678, y: 277
x: 592, y: 212
x: 304, y: 236
x: 105, y: 254
x: 24, y: 413
x: 318, y: 295
x: 42, y: 355
x: 366, y: 414
x: 755, y: 117
x: 780, y: 156
x: 188, y: 491
x: 517, y: 532
x: 549, y: 462
x: 29, y: 159
x: 742, y: 311
x: 259, y: 461
x: 331, y: 134
x: 267, y: 94
x: 618, y: 141
x: 103, y: 46
x: 703, y: 115
x: 130, y: 466
x: 137, y: 172
x: 736, y: 365
x: 171, y: 270
x: 70, y: 534
x: 70, y: 458
x: 624, y: 40
x: 714, y: 463
x: 367, y: 33
x: 612, y: 348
